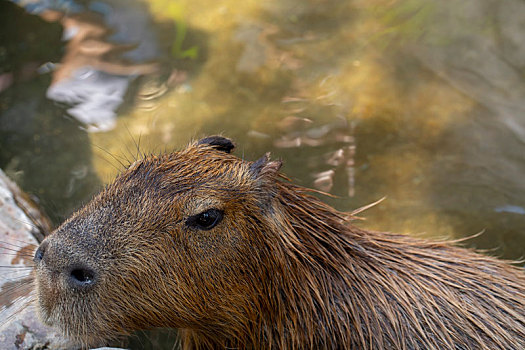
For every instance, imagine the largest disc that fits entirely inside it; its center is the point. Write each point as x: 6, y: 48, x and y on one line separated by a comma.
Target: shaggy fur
x: 282, y: 270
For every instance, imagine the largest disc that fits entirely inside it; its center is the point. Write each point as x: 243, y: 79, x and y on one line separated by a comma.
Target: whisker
x: 110, y: 163
x: 18, y: 306
x: 138, y: 147
x: 25, y: 242
x: 22, y: 282
x: 134, y: 156
x: 36, y: 223
x: 28, y: 304
x: 25, y: 279
x: 18, y: 292
x: 128, y: 150
x: 112, y: 156
x: 5, y: 290
x: 14, y: 276
x: 13, y: 272
x: 15, y: 250
x: 17, y: 255
x: 18, y: 246
x: 26, y: 222
x: 19, y: 302
x: 17, y: 286
x: 13, y: 294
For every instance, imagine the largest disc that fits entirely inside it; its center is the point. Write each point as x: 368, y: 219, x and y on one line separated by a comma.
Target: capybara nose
x: 39, y: 254
x: 81, y: 277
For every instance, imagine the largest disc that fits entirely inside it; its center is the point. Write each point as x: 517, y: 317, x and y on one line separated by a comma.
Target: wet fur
x: 282, y: 271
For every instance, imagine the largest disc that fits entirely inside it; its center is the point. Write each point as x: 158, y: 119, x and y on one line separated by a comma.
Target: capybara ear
x: 218, y: 142
x: 264, y: 166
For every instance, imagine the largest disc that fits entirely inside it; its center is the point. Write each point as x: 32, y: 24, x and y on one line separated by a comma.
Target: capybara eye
x: 205, y: 220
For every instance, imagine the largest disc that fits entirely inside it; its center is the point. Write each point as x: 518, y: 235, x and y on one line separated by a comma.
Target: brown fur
x: 281, y: 271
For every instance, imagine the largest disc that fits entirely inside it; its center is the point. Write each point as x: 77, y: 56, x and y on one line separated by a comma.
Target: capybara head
x: 235, y: 257
x: 173, y: 242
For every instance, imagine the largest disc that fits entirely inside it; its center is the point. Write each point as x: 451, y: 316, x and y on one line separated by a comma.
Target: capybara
x: 235, y: 256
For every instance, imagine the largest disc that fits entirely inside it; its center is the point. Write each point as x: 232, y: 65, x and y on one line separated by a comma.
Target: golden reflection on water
x: 315, y: 61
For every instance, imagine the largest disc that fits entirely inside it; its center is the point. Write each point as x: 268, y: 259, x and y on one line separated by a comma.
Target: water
x: 417, y: 101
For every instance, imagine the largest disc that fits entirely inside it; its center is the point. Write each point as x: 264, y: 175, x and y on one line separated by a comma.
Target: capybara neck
x: 235, y: 256
x: 328, y: 284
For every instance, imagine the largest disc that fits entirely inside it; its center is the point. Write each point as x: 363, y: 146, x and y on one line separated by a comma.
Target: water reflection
x: 67, y: 67
x: 338, y: 135
x: 108, y: 45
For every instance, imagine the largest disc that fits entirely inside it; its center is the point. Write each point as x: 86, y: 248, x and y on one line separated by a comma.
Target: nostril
x: 39, y: 254
x: 82, y: 277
